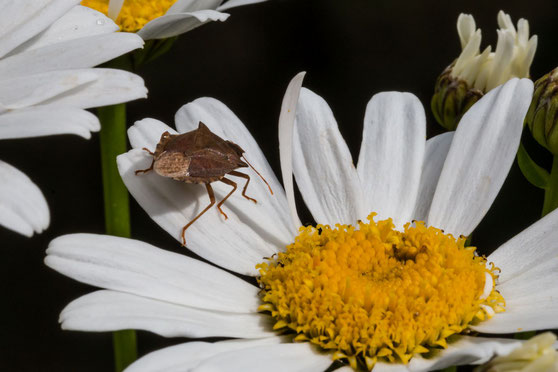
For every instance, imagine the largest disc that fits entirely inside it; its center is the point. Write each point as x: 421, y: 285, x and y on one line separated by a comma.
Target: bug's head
x: 237, y: 149
x: 165, y: 138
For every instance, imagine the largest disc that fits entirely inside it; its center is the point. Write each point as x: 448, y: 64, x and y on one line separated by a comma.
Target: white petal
x: 147, y: 132
x: 45, y: 121
x: 77, y: 53
x: 21, y: 20
x: 79, y: 22
x: 537, y: 312
x: 286, y: 127
x: 467, y: 350
x: 189, y: 355
x: 23, y: 207
x: 523, y: 253
x: 188, y: 6
x: 231, y: 243
x: 109, y: 311
x: 114, y: 8
x: 28, y: 90
x: 481, y: 154
x: 110, y: 87
x: 83, y: 88
x: 323, y: 166
x: 529, y: 264
x: 465, y: 28
x: 391, y: 155
x: 234, y: 3
x: 271, y: 213
x: 175, y: 24
x: 283, y: 357
x: 135, y: 267
x: 434, y: 157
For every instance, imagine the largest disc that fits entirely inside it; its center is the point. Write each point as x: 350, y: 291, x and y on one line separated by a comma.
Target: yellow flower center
x: 377, y: 294
x: 134, y: 13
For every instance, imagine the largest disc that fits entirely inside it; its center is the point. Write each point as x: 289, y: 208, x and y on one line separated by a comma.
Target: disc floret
x: 373, y: 293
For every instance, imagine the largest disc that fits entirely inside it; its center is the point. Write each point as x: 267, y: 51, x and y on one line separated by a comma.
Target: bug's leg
x: 211, y: 203
x: 230, y: 183
x: 239, y: 174
x: 149, y: 151
x: 150, y: 167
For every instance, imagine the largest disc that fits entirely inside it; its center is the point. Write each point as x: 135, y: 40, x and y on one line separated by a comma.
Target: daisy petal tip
x: 286, y: 127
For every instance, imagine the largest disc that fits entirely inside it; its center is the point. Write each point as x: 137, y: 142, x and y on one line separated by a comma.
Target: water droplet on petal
x: 100, y: 21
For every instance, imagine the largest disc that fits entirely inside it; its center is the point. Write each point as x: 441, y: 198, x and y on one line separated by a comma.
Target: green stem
x: 113, y: 143
x: 117, y: 211
x: 551, y: 192
x: 125, y: 350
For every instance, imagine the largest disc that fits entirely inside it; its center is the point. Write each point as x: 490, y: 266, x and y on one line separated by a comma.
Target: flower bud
x: 537, y: 355
x: 452, y: 98
x: 474, y: 73
x: 542, y: 117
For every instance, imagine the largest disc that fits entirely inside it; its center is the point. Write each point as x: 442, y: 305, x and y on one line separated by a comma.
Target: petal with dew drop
x: 105, y: 310
x: 481, y: 154
x: 23, y: 207
x: 120, y: 264
x: 391, y: 155
x: 22, y: 19
x: 79, y: 22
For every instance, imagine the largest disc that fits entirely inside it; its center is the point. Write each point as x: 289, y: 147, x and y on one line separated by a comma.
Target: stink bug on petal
x: 200, y: 156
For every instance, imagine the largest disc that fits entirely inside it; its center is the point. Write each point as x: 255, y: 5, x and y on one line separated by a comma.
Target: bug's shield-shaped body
x: 198, y: 156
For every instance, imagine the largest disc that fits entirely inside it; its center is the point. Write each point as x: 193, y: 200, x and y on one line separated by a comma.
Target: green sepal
x: 452, y: 98
x: 542, y: 116
x: 534, y: 173
x: 152, y: 50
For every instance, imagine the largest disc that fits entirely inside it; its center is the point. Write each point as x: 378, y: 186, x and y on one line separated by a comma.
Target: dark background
x: 351, y: 50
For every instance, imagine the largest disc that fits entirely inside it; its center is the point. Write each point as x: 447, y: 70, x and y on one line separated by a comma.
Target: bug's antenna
x: 258, y: 173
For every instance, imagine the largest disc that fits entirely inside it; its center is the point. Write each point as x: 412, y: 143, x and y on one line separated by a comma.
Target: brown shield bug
x: 200, y: 156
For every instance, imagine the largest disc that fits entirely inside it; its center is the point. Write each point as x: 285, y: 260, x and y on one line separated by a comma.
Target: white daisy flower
x: 47, y: 49
x: 164, y: 18
x: 450, y: 181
